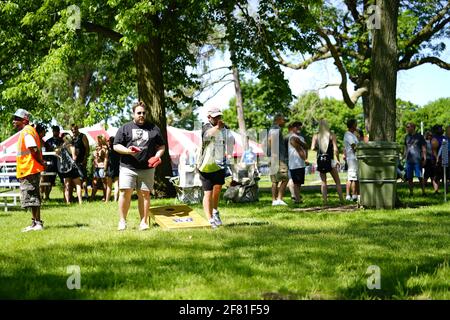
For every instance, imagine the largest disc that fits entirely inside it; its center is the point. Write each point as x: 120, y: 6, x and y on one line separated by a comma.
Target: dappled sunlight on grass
x: 261, y: 252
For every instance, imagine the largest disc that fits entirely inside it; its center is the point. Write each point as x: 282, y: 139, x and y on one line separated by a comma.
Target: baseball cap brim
x: 216, y: 114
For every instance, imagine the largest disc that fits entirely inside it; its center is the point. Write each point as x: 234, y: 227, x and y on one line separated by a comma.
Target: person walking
x: 325, y: 143
x: 138, y: 163
x: 350, y: 142
x: 297, y: 150
x: 30, y: 164
x: 212, y: 163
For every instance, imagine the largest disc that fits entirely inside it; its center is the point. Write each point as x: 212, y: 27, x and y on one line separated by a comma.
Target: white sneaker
x: 39, y: 226
x: 275, y: 203
x: 35, y: 226
x: 122, y: 225
x: 282, y: 203
x: 217, y: 219
x: 143, y: 226
x: 354, y: 198
x: 212, y: 222
x: 348, y: 198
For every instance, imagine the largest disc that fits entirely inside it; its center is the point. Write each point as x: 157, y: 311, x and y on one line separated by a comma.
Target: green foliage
x: 261, y: 252
x: 83, y: 74
x: 262, y: 100
x: 184, y: 117
x: 435, y: 112
x: 310, y: 108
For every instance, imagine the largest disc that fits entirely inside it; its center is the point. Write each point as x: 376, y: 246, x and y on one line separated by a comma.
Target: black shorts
x: 298, y: 175
x: 72, y: 174
x: 211, y: 179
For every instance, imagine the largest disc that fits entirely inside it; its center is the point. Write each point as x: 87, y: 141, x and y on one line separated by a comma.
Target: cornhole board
x: 178, y: 217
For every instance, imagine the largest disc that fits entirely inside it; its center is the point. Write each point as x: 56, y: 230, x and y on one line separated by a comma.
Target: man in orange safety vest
x: 30, y: 164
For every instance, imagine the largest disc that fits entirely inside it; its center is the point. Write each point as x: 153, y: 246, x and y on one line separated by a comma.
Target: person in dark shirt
x: 51, y: 145
x: 112, y: 172
x: 436, y: 143
x: 81, y: 144
x: 141, y: 146
x: 415, y: 155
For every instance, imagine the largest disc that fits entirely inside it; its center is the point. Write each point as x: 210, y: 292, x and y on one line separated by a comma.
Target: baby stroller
x: 244, y: 184
x: 187, y: 183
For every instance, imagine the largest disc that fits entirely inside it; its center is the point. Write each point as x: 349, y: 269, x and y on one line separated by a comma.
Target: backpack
x: 242, y: 193
x: 65, y: 164
x: 323, y: 162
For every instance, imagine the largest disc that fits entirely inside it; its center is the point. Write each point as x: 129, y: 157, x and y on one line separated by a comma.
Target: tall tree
x: 156, y: 40
x: 383, y: 84
x: 343, y: 30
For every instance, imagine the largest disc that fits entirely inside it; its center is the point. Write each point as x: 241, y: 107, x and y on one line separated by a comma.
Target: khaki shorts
x: 282, y: 174
x: 30, y: 195
x: 352, y: 171
x: 136, y: 179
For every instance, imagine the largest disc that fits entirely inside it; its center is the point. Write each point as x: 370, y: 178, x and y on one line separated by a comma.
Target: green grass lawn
x: 260, y: 253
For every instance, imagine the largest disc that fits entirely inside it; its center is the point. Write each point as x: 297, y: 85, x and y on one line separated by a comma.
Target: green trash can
x: 377, y: 173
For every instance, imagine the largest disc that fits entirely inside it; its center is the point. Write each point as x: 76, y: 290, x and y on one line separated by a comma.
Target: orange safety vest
x: 26, y: 163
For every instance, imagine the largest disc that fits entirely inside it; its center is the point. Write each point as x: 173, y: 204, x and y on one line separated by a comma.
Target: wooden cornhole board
x: 177, y: 217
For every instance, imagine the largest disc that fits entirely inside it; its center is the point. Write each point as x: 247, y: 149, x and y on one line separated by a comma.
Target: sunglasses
x: 141, y: 113
x: 18, y: 119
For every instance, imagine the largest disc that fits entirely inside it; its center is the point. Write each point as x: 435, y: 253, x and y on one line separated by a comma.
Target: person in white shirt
x: 350, y: 142
x: 297, y: 151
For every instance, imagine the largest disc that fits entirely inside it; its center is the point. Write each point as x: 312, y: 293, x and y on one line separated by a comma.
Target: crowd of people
x: 289, y: 154
x: 424, y: 155
x: 129, y: 159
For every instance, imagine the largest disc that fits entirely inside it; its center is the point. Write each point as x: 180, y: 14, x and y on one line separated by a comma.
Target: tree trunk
x: 383, y: 85
x: 148, y: 61
x: 240, y: 108
x: 366, y: 111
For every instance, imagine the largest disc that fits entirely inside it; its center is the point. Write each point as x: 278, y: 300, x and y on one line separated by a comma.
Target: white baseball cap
x: 22, y: 113
x: 214, y: 112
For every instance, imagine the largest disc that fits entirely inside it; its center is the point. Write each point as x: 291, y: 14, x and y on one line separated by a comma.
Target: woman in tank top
x: 325, y: 142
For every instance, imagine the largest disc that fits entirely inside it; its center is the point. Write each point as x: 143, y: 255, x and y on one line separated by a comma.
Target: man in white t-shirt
x: 350, y: 142
x: 297, y: 152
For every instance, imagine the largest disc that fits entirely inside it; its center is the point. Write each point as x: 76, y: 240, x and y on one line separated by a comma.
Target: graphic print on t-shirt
x: 140, y: 137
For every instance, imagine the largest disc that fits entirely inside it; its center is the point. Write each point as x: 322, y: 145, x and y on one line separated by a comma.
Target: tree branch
x: 329, y: 85
x: 213, y: 70
x: 432, y: 60
x: 351, y: 5
x: 425, y: 33
x: 220, y: 89
x: 323, y: 54
x: 340, y: 66
x: 111, y: 34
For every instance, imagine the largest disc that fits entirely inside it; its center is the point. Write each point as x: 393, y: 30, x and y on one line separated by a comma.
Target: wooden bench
x: 4, y: 196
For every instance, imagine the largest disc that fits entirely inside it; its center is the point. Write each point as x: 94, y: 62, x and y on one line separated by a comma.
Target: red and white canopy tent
x: 8, y: 148
x: 179, y: 141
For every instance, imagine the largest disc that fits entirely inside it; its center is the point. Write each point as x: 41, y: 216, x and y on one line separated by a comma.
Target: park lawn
x: 261, y: 252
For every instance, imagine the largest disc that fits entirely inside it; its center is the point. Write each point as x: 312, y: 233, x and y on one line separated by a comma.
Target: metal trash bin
x: 377, y: 173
